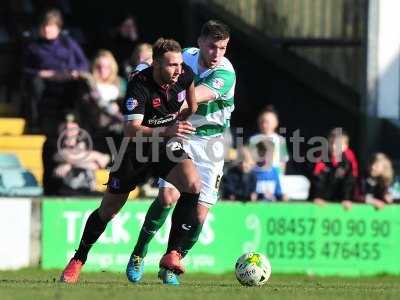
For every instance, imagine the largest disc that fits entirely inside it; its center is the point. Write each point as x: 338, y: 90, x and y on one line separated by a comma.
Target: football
x: 252, y: 269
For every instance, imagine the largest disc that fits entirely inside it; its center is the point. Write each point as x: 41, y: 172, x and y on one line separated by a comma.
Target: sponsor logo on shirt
x: 218, y: 83
x: 131, y: 104
x: 156, y: 102
x: 181, y: 96
x: 159, y: 121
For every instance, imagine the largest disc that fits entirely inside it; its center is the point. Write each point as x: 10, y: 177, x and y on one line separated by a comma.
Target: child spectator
x: 239, y: 183
x: 268, y: 123
x: 375, y: 187
x: 268, y: 185
x: 335, y: 178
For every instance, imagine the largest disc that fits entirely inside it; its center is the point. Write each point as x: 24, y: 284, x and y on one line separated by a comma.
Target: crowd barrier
x: 297, y: 237
x: 15, y: 233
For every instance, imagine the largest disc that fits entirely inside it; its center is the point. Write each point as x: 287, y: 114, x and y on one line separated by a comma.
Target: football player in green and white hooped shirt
x: 214, y: 88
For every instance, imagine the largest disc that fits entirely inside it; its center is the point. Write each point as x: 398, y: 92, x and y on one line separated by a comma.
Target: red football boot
x: 71, y: 271
x: 172, y: 261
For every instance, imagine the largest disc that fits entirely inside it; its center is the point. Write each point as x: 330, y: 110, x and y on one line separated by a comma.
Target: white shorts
x: 208, y: 157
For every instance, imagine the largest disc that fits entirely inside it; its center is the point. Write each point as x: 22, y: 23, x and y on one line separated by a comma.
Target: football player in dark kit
x: 154, y: 126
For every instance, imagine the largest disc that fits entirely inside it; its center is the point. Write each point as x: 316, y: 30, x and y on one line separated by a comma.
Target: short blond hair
x: 113, y: 78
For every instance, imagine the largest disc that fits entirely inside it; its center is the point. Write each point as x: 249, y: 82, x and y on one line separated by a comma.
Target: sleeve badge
x: 131, y: 104
x: 218, y: 83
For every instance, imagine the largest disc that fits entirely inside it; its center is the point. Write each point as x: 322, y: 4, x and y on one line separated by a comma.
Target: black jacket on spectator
x: 375, y: 187
x: 335, y: 181
x: 239, y: 184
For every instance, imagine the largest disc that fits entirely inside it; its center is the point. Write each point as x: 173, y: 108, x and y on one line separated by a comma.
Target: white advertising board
x: 15, y: 230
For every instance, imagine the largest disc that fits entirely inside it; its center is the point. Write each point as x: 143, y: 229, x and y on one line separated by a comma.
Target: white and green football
x: 252, y: 269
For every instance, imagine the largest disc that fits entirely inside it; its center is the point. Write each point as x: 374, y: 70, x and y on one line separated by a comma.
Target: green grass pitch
x: 38, y: 284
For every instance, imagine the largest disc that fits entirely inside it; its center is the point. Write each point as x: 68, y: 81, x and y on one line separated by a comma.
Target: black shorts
x: 134, y: 171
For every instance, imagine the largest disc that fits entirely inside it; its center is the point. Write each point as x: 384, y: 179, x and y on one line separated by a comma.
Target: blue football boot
x: 168, y: 277
x: 135, y: 268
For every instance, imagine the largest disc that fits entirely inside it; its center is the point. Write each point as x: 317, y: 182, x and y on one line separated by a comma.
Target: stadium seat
x: 9, y: 161
x: 296, y: 187
x: 12, y: 126
x: 29, y: 158
x: 18, y: 182
x: 22, y: 141
x: 28, y: 149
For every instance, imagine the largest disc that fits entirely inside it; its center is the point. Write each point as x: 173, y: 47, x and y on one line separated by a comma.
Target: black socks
x: 185, y: 227
x: 94, y: 227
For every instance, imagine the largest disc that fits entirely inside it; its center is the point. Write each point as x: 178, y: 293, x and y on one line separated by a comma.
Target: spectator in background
x: 268, y: 122
x: 268, y: 184
x: 52, y: 66
x: 73, y: 162
x: 239, y: 183
x: 101, y: 112
x: 122, y: 42
x: 375, y: 186
x: 142, y: 57
x: 334, y: 180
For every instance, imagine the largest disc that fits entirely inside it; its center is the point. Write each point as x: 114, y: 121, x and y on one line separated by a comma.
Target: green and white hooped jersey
x: 211, y: 118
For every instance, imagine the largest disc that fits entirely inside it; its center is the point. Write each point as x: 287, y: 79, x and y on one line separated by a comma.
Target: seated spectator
x: 268, y: 184
x: 239, y: 183
x: 73, y: 163
x: 375, y: 186
x: 52, y: 66
x: 122, y: 42
x: 100, y: 112
x: 142, y: 57
x: 334, y: 180
x: 268, y: 123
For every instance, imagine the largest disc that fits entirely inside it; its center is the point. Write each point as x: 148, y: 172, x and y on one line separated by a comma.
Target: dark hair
x: 162, y: 46
x: 52, y: 15
x: 216, y: 30
x: 268, y: 109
